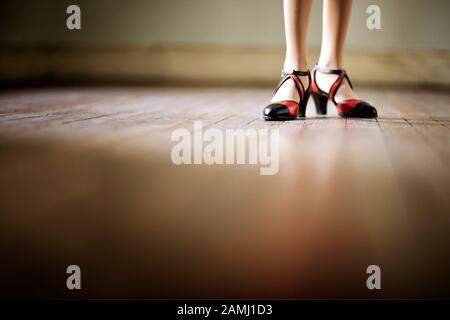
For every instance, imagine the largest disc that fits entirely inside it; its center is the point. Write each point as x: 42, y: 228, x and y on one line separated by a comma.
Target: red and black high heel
x: 354, y: 108
x: 288, y: 109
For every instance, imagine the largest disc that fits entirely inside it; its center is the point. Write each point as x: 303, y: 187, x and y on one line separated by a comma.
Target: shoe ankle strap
x: 328, y: 70
x: 342, y: 74
x: 295, y: 72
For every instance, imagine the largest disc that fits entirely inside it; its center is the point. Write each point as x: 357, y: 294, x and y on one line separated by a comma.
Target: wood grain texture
x: 86, y: 178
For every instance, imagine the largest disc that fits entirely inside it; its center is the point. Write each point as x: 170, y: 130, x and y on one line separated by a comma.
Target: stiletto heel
x: 288, y: 109
x: 302, y: 106
x: 321, y: 102
x: 354, y: 108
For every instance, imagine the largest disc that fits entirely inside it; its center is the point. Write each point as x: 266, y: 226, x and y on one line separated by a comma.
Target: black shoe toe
x: 364, y: 110
x: 277, y: 111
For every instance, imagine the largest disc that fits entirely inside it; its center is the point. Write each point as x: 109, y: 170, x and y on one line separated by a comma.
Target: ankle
x: 295, y: 64
x: 330, y: 63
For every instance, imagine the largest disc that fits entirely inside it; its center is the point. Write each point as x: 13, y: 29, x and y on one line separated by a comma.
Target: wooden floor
x: 86, y: 179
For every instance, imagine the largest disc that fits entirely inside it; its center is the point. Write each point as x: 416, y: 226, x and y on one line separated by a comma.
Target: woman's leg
x: 336, y: 17
x: 296, y: 21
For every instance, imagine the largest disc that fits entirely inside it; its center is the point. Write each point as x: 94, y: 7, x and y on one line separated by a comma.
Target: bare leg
x: 336, y: 17
x: 296, y: 21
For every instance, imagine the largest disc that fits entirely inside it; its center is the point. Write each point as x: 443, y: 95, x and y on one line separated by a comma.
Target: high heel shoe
x: 354, y: 108
x: 288, y: 109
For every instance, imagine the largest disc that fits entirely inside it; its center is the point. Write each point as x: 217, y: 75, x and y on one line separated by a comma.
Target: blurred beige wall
x: 414, y: 24
x: 182, y: 40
